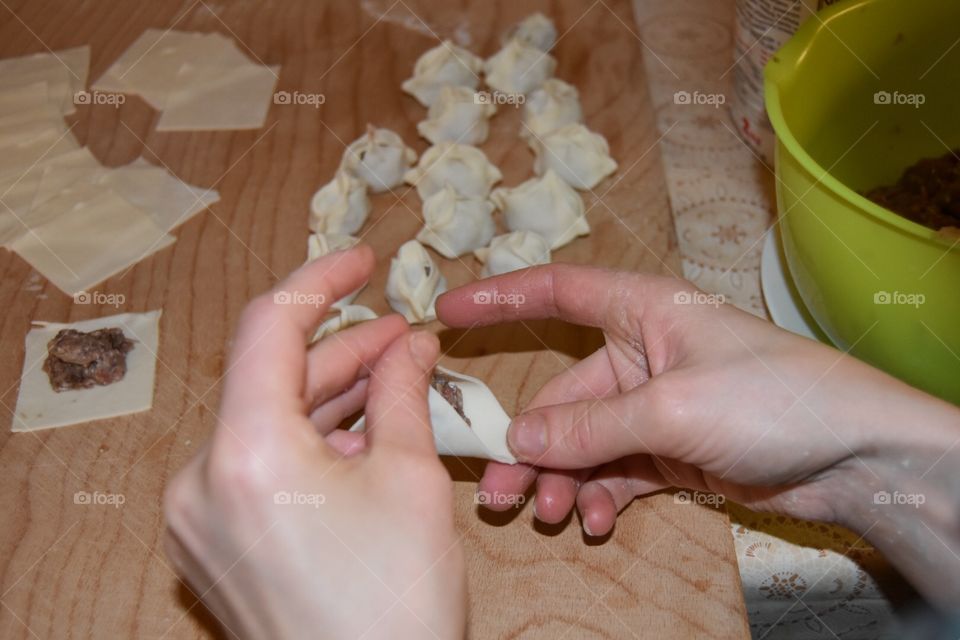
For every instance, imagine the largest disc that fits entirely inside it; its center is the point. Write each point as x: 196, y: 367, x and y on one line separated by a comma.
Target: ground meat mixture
x: 450, y: 392
x: 927, y: 193
x: 77, y: 360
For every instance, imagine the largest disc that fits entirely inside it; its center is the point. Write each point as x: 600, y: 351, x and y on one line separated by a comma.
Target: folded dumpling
x: 467, y: 419
x: 320, y: 244
x: 461, y: 166
x: 578, y: 155
x: 414, y: 282
x: 379, y: 158
x: 518, y: 68
x: 513, y: 251
x: 346, y: 317
x: 553, y: 105
x: 536, y: 30
x: 454, y: 224
x: 547, y: 206
x: 459, y: 114
x: 444, y: 65
x: 340, y: 206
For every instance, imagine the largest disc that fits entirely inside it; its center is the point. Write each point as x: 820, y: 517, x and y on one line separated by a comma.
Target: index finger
x: 268, y: 362
x: 582, y: 295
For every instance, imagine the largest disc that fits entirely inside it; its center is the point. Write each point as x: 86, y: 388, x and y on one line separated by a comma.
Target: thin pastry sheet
x: 95, y: 239
x: 237, y: 98
x: 40, y: 407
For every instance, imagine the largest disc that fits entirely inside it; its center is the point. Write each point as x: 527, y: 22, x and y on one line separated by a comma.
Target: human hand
x: 699, y: 396
x: 287, y: 527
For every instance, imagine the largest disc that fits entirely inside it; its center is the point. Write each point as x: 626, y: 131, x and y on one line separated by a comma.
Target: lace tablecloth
x: 800, y: 579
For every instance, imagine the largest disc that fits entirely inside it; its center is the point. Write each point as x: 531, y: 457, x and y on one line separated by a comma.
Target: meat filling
x: 450, y: 392
x: 78, y: 360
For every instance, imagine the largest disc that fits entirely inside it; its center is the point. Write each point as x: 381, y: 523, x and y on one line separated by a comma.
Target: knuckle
x: 258, y: 310
x: 582, y: 436
x: 236, y: 468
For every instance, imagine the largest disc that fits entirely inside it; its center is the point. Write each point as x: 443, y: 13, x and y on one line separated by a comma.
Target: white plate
x: 781, y: 296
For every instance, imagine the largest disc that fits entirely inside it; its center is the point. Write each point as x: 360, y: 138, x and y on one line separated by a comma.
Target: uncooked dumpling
x: 414, y: 283
x: 321, y: 244
x: 346, y: 317
x: 579, y: 156
x: 459, y: 115
x: 379, y: 158
x: 536, y: 30
x: 547, y: 206
x: 461, y: 166
x: 467, y: 419
x: 518, y: 68
x: 444, y: 65
x: 340, y: 206
x: 455, y: 225
x: 550, y: 107
x: 513, y: 251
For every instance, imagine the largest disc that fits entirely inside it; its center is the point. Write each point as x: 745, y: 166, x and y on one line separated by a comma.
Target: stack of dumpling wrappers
x: 455, y: 180
x: 70, y: 218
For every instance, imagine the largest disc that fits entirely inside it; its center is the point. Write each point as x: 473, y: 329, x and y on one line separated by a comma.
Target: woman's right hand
x: 690, y: 394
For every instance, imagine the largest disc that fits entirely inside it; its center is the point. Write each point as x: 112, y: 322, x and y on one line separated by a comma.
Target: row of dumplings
x: 455, y: 180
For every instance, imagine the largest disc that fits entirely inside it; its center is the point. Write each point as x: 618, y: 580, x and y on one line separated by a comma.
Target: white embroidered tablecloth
x: 800, y: 579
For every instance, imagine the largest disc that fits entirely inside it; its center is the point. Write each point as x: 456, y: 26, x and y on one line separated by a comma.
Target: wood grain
x: 74, y: 571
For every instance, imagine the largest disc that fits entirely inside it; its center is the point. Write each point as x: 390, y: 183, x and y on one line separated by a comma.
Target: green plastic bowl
x: 856, y: 97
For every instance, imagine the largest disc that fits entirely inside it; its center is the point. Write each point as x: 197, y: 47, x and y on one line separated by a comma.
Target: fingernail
x: 586, y: 528
x: 527, y: 436
x: 422, y: 349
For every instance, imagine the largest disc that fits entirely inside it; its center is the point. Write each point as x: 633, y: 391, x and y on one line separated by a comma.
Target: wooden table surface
x: 86, y: 571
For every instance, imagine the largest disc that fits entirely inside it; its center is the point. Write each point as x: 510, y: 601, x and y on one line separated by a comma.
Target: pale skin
x: 671, y: 400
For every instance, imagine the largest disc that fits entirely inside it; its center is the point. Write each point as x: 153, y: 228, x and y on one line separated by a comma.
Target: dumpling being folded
x: 379, y: 158
x: 444, y: 65
x: 553, y: 105
x: 467, y: 419
x: 340, y: 206
x: 513, y: 251
x: 536, y: 30
x: 461, y: 166
x: 518, y: 68
x: 414, y: 282
x: 547, y: 206
x: 455, y: 225
x: 321, y: 244
x: 458, y: 115
x: 579, y: 156
x: 347, y: 316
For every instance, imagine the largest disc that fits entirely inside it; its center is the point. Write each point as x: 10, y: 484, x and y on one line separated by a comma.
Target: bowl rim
x: 779, y: 70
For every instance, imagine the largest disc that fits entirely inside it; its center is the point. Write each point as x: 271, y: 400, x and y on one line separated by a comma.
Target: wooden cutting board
x: 72, y: 570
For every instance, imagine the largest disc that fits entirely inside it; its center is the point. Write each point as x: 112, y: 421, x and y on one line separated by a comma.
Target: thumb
x: 397, y: 412
x: 586, y: 433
